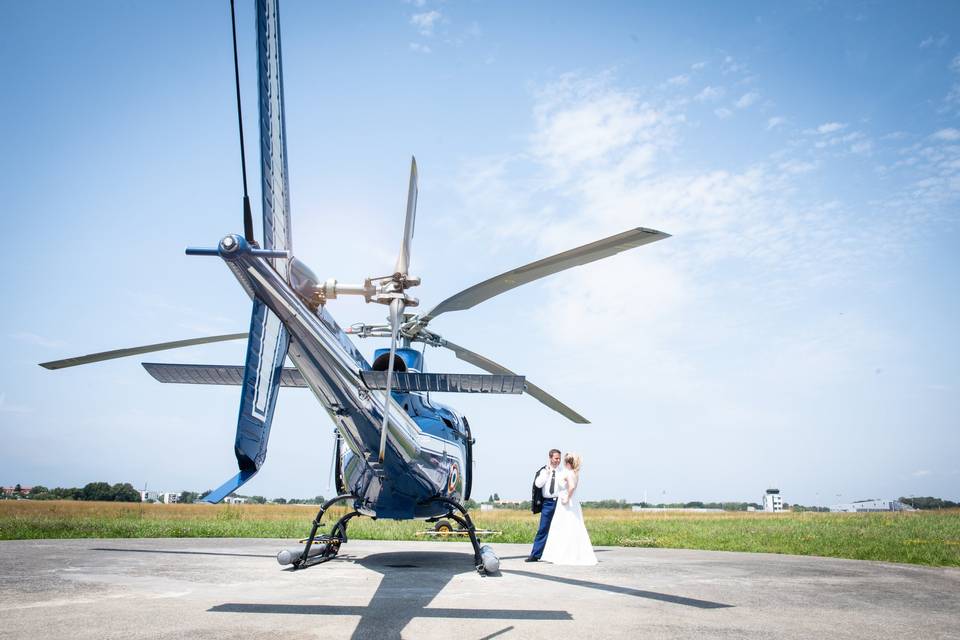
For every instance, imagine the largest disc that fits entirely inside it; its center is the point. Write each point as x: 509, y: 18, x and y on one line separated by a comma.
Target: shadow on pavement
x: 628, y: 591
x: 411, y: 580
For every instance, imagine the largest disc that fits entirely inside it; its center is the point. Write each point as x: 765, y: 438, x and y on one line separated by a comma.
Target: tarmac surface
x: 216, y: 588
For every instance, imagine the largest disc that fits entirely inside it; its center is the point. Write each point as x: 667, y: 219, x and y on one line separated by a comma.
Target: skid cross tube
x: 316, y: 525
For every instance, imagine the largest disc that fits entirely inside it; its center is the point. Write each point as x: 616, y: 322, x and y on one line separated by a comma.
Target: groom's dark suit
x: 550, y: 486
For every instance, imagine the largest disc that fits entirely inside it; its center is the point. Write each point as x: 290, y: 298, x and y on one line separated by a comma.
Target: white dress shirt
x: 543, y: 481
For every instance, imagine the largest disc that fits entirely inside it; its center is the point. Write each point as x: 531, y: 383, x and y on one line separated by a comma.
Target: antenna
x: 247, y: 214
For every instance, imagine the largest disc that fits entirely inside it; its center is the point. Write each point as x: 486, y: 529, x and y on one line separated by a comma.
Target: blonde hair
x: 574, y: 460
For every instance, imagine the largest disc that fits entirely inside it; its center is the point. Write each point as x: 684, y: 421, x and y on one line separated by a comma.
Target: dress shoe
x: 532, y: 559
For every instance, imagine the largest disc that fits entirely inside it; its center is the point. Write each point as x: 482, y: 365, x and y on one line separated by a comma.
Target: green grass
x: 930, y: 538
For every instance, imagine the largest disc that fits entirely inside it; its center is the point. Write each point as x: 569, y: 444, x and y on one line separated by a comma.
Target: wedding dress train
x: 568, y: 541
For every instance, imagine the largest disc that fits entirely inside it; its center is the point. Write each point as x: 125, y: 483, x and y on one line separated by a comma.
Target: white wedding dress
x: 568, y: 541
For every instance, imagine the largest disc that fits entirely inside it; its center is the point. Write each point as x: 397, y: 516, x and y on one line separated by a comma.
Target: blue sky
x: 798, y: 330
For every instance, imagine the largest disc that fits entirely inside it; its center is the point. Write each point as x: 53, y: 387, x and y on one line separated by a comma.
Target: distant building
x: 772, y: 502
x: 486, y: 507
x: 858, y: 506
x: 12, y: 491
x: 170, y: 498
x: 234, y: 500
x: 148, y: 496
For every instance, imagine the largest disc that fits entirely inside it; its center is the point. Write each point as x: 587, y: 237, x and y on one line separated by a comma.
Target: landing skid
x: 319, y: 549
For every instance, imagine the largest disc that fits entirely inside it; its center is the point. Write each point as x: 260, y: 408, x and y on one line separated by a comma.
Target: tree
x: 280, y: 501
x: 39, y: 492
x: 99, y: 491
x: 17, y: 490
x: 258, y: 500
x: 496, y: 497
x: 929, y: 502
x: 61, y: 493
x: 124, y: 493
x: 188, y: 497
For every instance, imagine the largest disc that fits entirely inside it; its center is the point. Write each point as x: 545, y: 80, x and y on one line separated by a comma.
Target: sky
x: 798, y: 330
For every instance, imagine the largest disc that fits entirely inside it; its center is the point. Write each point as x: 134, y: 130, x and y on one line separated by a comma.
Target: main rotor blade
x: 396, y: 312
x: 403, y: 260
x: 487, y: 364
x: 150, y: 348
x: 535, y: 270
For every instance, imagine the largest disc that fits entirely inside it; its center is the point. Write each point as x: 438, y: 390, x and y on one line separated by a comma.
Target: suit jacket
x: 536, y: 499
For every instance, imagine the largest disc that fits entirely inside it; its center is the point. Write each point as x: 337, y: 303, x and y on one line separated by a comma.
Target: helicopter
x: 398, y: 454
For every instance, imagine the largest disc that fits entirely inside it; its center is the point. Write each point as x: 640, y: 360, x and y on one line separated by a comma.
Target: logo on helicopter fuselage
x: 454, y: 477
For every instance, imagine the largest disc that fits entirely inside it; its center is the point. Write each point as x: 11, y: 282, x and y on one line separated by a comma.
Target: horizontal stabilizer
x: 445, y: 382
x: 213, y: 374
x: 229, y: 486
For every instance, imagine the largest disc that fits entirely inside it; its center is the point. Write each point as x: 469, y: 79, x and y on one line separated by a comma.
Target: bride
x: 568, y: 542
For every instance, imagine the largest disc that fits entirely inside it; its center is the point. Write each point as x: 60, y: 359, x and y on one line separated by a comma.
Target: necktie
x: 552, y: 474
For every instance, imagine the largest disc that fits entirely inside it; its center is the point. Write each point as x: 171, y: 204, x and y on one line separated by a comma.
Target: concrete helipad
x: 204, y: 588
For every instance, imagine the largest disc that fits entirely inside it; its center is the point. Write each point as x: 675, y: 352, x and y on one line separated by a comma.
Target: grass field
x: 931, y: 537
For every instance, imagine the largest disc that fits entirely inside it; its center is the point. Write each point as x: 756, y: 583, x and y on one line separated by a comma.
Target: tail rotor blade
x: 396, y: 313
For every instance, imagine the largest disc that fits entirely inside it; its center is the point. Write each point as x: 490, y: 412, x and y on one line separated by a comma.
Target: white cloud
x: 425, y: 21
x: 920, y: 473
x: 955, y: 63
x: 775, y: 122
x: 950, y: 135
x: 723, y: 113
x: 697, y: 66
x: 862, y: 146
x: 747, y: 100
x: 729, y: 65
x: 710, y: 93
x: 935, y: 41
x: 606, y: 149
x: 830, y: 127
x: 677, y: 81
x: 420, y: 48
x: 574, y: 132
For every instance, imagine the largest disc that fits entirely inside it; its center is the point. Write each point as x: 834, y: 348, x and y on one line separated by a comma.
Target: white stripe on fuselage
x: 263, y: 389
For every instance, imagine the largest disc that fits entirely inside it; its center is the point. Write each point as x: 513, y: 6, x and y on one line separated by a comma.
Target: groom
x: 547, y: 481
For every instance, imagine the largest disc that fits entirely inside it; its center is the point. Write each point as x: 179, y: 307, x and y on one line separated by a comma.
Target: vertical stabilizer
x: 268, y: 342
x: 266, y: 351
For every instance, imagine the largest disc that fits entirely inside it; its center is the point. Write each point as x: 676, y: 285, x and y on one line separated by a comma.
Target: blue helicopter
x: 397, y: 454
